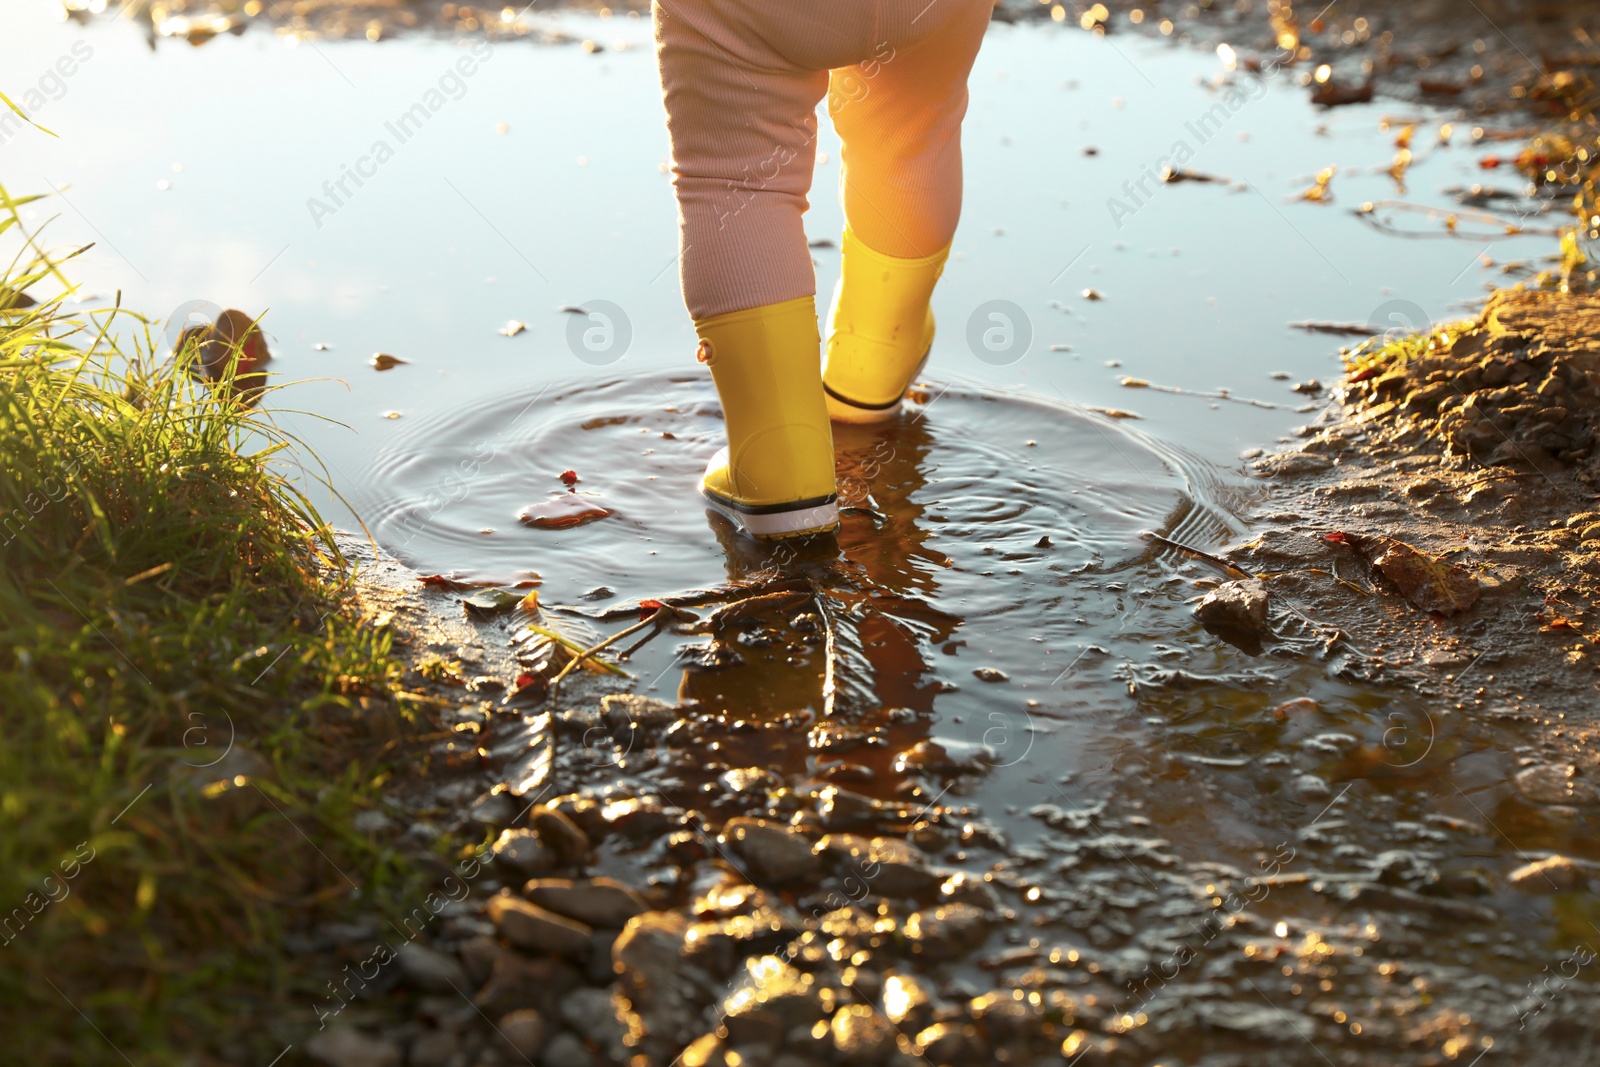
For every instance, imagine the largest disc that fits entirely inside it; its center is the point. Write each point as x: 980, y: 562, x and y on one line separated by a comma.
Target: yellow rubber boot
x: 879, y: 331
x: 775, y: 479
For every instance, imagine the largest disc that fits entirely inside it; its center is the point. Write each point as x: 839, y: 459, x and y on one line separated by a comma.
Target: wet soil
x: 1360, y: 832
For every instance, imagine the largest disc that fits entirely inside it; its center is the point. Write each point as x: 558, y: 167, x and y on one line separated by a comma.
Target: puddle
x: 1007, y: 645
x: 219, y: 194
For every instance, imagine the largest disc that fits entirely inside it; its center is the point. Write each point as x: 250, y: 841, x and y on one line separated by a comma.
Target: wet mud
x: 1360, y: 832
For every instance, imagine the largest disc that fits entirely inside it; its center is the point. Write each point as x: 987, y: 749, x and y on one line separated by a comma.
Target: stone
x: 944, y: 1043
x: 659, y: 998
x: 1555, y: 874
x: 884, y: 865
x: 345, y: 1046
x: 430, y: 970
x: 530, y: 927
x: 599, y: 902
x: 478, y: 955
x: 565, y: 1050
x: 906, y: 1000
x: 495, y: 808
x: 521, y: 982
x: 771, y: 851
x: 772, y: 998
x: 561, y: 835
x: 946, y: 932
x: 1551, y: 783
x: 625, y: 711
x: 861, y: 1035
x: 1239, y: 605
x: 587, y: 1013
x: 945, y: 757
x: 1311, y: 787
x: 433, y: 1048
x: 1291, y: 463
x: 524, y: 1030
x: 522, y: 853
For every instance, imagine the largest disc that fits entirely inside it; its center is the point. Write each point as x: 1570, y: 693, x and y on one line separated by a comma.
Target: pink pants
x: 742, y: 80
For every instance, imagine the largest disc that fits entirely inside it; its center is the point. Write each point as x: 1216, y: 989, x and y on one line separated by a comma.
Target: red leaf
x: 569, y: 477
x: 1489, y: 162
x: 648, y: 608
x: 1338, y: 537
x: 439, y: 581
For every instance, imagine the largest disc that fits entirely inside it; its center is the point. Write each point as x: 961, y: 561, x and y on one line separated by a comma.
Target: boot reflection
x: 865, y: 609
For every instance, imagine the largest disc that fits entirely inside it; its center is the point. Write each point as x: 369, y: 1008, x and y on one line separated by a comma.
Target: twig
x: 1231, y: 570
x: 572, y: 646
x: 661, y: 614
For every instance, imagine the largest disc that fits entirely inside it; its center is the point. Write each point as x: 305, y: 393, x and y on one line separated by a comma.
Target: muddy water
x: 1009, y: 653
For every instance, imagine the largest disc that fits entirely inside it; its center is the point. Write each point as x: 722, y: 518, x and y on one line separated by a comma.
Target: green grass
x: 165, y: 593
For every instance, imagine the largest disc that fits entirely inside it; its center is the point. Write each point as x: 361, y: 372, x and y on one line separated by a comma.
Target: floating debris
x: 384, y: 361
x: 562, y: 512
x: 512, y: 328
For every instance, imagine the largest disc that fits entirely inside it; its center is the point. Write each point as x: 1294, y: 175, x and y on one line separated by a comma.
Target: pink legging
x: 742, y: 79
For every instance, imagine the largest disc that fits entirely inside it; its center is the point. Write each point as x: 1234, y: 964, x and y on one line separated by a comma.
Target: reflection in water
x: 857, y: 651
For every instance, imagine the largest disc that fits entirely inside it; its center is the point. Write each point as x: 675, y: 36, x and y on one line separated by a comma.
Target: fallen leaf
x: 569, y: 477
x: 1298, y: 706
x: 1320, y: 193
x: 562, y: 512
x: 384, y: 361
x: 491, y: 601
x: 1091, y: 294
x: 1429, y: 582
x: 450, y: 585
x: 1333, y: 94
x: 529, y: 602
x: 512, y: 328
x: 1132, y: 383
x: 1489, y: 162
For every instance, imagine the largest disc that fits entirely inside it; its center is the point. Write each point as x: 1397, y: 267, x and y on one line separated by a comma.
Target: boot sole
x: 778, y: 522
x: 842, y: 408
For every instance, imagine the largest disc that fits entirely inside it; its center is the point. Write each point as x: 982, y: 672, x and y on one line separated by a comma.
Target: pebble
x: 345, y: 1046
x: 528, y: 926
x: 433, y: 1048
x: 945, y: 756
x: 1557, y: 874
x: 946, y: 932
x: 588, y: 1013
x: 430, y: 970
x: 521, y: 852
x: 659, y: 995
x: 622, y: 710
x: 565, y: 1050
x: 601, y: 902
x: 561, y: 835
x: 773, y: 852
x: 1550, y: 783
x: 492, y: 809
x: 524, y: 1030
x: 1311, y: 787
x: 887, y: 866
x: 861, y: 1035
x: 1239, y: 605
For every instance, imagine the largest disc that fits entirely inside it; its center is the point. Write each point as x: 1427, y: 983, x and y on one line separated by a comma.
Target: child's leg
x: 743, y: 126
x: 744, y: 132
x: 899, y: 115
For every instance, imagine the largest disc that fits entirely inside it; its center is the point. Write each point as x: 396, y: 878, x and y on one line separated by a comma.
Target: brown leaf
x: 384, y: 361
x: 561, y: 512
x: 1429, y: 582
